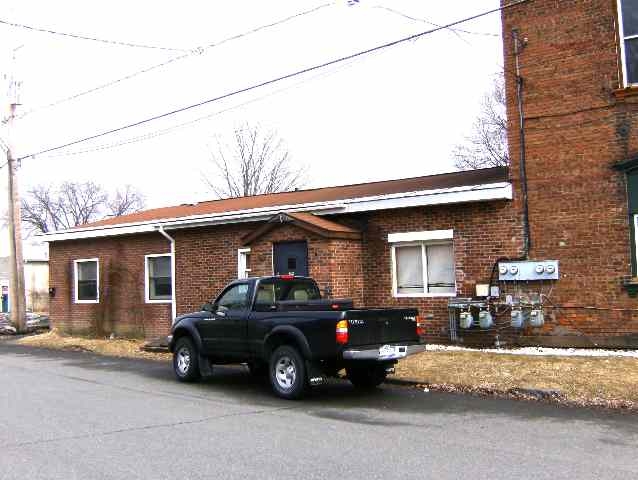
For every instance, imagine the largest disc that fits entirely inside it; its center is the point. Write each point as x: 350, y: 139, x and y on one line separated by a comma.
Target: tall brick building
x: 579, y: 89
x: 427, y: 241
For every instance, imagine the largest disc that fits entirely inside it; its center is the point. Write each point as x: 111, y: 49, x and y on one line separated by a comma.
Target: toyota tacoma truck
x: 281, y: 327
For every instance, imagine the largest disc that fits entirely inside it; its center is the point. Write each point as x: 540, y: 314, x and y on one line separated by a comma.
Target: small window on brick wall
x: 159, y: 281
x: 243, y: 263
x: 628, y: 12
x: 423, y: 269
x: 87, y: 280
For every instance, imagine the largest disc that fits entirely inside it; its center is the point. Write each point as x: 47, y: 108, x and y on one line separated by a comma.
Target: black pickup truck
x: 280, y: 326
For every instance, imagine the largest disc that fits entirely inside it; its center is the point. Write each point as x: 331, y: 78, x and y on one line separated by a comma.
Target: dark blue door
x: 291, y: 258
x: 5, y: 303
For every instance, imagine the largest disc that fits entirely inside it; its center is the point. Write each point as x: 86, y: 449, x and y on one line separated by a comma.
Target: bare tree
x: 125, y: 200
x: 487, y: 145
x: 254, y: 161
x: 48, y: 208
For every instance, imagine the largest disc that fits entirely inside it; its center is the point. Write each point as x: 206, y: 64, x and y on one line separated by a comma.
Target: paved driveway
x: 80, y: 416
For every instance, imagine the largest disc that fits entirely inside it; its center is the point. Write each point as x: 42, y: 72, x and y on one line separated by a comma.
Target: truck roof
x: 276, y: 277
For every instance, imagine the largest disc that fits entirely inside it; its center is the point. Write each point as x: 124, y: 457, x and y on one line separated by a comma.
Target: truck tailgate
x: 381, y: 326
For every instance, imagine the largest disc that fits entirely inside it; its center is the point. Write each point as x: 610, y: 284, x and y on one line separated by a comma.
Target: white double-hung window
x: 628, y: 13
x: 87, y: 280
x: 159, y: 280
x: 423, y: 264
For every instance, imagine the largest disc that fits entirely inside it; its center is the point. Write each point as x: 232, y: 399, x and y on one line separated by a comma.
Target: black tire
x: 366, y: 377
x: 287, y: 373
x: 186, y: 361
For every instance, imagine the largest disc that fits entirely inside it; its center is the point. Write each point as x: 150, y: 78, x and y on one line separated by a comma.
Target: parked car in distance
x: 280, y: 326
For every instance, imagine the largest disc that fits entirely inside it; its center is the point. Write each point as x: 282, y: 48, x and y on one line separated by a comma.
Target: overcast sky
x: 392, y: 114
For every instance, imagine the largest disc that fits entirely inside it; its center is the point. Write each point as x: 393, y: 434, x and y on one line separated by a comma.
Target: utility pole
x: 17, y: 297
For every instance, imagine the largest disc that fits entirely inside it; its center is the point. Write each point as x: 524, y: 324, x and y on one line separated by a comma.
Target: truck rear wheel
x: 287, y: 372
x: 366, y: 377
x: 186, y: 361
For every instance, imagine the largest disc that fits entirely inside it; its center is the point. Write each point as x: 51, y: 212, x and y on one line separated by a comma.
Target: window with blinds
x: 423, y: 269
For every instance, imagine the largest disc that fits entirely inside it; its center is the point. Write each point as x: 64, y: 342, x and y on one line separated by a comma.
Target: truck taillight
x: 342, y: 332
x: 420, y: 326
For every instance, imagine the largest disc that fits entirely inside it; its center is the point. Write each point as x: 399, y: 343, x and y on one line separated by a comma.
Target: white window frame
x: 147, y: 284
x: 423, y: 244
x: 242, y: 271
x: 635, y: 245
x: 622, y: 38
x: 75, y: 280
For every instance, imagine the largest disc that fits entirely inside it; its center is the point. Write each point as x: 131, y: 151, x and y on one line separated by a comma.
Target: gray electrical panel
x: 528, y: 270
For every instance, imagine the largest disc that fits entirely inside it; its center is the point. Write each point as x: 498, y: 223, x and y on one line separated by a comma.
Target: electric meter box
x: 526, y: 271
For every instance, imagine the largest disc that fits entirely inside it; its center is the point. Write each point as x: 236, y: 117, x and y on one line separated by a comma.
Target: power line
x: 423, y: 20
x: 168, y: 130
x: 92, y: 39
x: 276, y: 80
x: 196, y: 51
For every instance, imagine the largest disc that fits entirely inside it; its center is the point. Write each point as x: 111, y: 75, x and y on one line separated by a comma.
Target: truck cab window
x: 265, y: 296
x: 235, y: 298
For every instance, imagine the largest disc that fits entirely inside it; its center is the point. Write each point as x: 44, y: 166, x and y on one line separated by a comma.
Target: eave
x: 443, y: 196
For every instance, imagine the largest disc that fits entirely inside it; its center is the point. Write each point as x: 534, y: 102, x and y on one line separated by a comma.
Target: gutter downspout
x: 527, y: 241
x: 161, y: 230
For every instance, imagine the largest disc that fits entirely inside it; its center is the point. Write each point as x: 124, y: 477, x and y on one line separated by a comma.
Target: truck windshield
x: 271, y: 291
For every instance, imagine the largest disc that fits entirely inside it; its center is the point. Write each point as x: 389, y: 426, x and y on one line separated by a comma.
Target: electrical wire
x: 423, y: 20
x: 191, y: 53
x: 276, y: 80
x: 92, y: 39
x: 173, y: 128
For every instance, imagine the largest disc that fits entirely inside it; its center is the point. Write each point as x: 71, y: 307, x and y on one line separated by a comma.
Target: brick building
x: 579, y: 90
x: 401, y: 243
x: 421, y: 242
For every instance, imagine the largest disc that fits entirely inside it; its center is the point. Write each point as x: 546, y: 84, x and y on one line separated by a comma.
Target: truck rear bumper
x: 382, y: 353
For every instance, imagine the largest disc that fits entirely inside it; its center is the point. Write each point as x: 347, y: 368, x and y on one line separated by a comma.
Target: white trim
x: 473, y: 193
x: 242, y: 271
x: 75, y: 280
x: 147, y: 295
x: 423, y: 245
x: 622, y: 39
x: 636, y: 236
x: 421, y: 236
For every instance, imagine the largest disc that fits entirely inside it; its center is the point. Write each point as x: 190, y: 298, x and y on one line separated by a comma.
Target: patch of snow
x: 539, y: 351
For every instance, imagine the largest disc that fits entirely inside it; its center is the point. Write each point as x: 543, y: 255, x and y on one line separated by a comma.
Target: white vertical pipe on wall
x: 161, y: 230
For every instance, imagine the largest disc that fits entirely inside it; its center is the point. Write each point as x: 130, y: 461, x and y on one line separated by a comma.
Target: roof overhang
x: 282, y: 218
x: 443, y: 196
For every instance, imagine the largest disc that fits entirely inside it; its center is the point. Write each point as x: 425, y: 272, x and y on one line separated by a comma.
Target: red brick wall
x: 483, y: 232
x: 575, y: 129
x: 122, y: 308
x: 206, y: 260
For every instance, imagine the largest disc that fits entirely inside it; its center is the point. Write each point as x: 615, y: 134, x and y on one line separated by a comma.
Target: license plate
x: 393, y: 351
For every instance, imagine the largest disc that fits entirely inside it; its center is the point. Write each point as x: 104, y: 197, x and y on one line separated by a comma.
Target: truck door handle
x: 220, y: 313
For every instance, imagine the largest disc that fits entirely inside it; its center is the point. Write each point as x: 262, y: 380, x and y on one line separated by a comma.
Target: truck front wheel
x: 186, y: 361
x: 287, y: 372
x: 366, y: 377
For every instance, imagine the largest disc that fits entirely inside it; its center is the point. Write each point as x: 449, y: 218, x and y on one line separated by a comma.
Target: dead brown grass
x: 583, y: 380
x: 117, y: 347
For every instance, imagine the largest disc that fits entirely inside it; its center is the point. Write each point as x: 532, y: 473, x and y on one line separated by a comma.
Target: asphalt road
x: 79, y: 416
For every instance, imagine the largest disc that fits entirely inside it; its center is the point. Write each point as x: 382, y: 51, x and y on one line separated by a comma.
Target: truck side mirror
x: 207, y: 307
